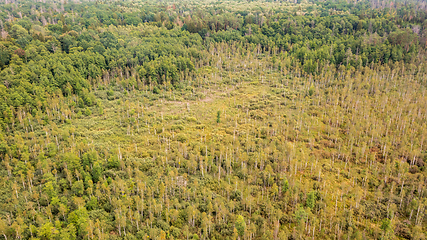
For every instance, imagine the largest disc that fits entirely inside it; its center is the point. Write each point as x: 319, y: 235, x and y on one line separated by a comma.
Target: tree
x: 3, y: 228
x: 96, y: 171
x: 218, y: 116
x: 47, y: 231
x: 285, y: 185
x: 108, y: 39
x: 78, y: 188
x: 79, y: 218
x: 417, y: 233
x: 311, y: 90
x: 311, y: 200
x: 21, y: 35
x: 387, y: 228
x: 240, y: 225
x: 68, y: 233
x: 301, y: 215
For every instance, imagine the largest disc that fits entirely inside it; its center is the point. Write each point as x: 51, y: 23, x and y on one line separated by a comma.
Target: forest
x: 209, y: 120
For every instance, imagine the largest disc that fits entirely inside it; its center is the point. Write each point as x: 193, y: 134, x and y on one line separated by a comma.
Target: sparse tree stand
x: 323, y: 136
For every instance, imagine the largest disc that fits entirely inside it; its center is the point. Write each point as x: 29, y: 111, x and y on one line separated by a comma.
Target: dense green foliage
x: 213, y: 120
